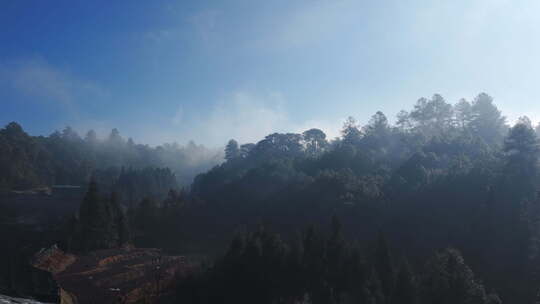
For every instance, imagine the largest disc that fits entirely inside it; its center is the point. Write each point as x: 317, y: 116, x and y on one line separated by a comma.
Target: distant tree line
x: 67, y: 158
x: 103, y: 222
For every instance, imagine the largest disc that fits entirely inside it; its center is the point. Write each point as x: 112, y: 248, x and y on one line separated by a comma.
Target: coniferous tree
x: 449, y: 280
x: 432, y: 117
x: 95, y: 220
x: 231, y: 150
x: 102, y: 224
x: 522, y: 150
x: 351, y: 132
x: 463, y: 114
x: 487, y: 121
x: 374, y: 289
x: 405, y: 289
x: 121, y: 225
x: 335, y: 259
x: 383, y: 266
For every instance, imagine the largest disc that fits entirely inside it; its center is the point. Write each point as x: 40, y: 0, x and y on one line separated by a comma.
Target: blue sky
x: 213, y: 70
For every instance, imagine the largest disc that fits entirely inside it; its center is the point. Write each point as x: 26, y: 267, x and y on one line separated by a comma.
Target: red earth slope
x: 123, y: 275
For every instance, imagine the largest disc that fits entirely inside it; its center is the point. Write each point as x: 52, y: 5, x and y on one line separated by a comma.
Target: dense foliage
x: 101, y: 223
x: 64, y: 158
x: 443, y: 176
x: 315, y: 268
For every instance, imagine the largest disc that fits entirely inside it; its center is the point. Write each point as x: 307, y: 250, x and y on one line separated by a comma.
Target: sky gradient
x: 163, y: 71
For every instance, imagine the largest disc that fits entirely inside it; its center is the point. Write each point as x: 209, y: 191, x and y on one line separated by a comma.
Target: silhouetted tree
x: 405, y: 290
x: 231, y: 150
x: 315, y: 142
x: 487, y: 121
x: 384, y: 267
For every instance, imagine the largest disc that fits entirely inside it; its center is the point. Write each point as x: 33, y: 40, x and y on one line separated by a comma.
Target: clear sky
x: 213, y: 70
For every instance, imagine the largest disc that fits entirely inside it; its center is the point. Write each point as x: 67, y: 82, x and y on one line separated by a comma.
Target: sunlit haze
x: 164, y: 71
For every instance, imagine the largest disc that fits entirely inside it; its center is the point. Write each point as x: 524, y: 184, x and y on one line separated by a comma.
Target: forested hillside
x: 326, y: 268
x: 442, y: 175
x: 65, y: 158
x: 417, y: 207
